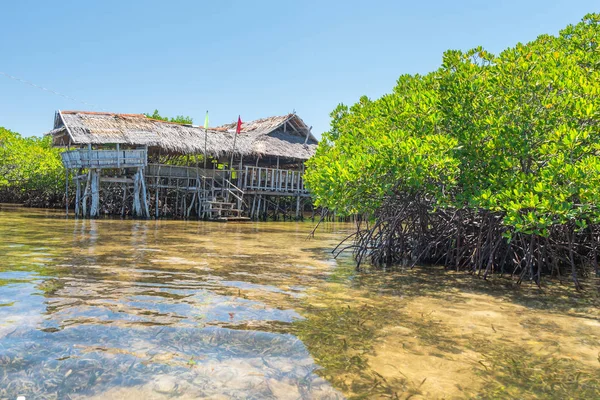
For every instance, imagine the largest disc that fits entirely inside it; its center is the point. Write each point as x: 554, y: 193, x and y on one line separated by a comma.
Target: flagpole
x: 237, y: 132
x: 205, y: 137
x: 205, y: 156
x: 232, y: 151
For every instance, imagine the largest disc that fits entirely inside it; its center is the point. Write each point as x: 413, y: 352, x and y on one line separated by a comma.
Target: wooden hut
x: 157, y: 168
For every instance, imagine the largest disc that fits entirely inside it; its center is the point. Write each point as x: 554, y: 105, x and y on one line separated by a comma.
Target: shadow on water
x: 185, y: 309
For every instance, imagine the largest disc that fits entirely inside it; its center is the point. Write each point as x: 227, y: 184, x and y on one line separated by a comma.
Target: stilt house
x: 131, y: 164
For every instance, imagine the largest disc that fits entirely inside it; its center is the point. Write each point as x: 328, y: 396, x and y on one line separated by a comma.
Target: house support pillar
x: 95, y: 189
x: 86, y: 194
x: 77, y: 196
x: 67, y: 190
x: 140, y: 199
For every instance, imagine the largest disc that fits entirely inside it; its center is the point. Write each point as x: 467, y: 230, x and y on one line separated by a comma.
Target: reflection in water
x: 161, y: 309
x: 143, y: 308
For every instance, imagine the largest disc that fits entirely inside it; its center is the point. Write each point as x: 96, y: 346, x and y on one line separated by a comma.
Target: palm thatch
x: 284, y: 136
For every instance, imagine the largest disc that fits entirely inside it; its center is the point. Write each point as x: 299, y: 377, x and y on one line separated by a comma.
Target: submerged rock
x: 165, y: 384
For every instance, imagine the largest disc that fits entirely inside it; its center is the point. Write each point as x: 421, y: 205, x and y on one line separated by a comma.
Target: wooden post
x: 266, y: 208
x: 95, y: 178
x: 67, y: 189
x: 297, y: 206
x: 77, y: 196
x: 156, y: 196
x: 143, y: 189
x: 166, y: 194
x: 136, y: 195
x: 189, y: 210
x: 176, y: 197
x: 239, y: 182
x: 118, y: 156
x: 298, y: 183
x: 258, y: 208
x: 86, y: 193
x: 124, y: 187
x: 157, y: 181
x: 253, y: 205
x: 301, y: 179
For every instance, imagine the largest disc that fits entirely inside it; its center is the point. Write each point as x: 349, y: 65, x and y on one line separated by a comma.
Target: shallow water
x: 172, y: 309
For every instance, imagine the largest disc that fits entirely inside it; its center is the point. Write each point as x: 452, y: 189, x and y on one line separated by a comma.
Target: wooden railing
x: 175, y: 176
x: 273, y: 180
x: 176, y: 171
x: 84, y: 158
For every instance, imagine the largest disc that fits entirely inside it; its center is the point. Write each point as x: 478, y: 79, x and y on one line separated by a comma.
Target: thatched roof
x: 284, y: 136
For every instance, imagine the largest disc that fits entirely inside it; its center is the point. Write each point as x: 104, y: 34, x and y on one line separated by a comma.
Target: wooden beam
x: 293, y: 127
x: 109, y: 179
x: 307, y: 135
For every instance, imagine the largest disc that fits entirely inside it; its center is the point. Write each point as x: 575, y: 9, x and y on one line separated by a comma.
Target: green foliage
x: 29, y: 165
x: 377, y: 146
x: 180, y: 119
x: 516, y: 134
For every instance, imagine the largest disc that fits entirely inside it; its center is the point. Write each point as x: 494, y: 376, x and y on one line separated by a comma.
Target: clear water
x: 174, y: 309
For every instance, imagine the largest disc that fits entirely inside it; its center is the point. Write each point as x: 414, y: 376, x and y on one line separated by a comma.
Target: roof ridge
x: 73, y: 112
x: 99, y: 113
x: 258, y: 120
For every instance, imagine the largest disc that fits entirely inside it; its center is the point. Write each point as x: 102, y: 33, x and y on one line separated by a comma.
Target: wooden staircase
x: 222, y: 202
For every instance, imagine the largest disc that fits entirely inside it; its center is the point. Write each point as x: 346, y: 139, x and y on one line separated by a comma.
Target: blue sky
x: 254, y: 58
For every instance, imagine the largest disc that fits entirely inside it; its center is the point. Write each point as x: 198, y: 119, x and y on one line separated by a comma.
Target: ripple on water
x: 111, y: 313
x: 159, y: 361
x: 169, y: 309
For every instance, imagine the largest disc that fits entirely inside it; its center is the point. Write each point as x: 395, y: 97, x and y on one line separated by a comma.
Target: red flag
x: 239, y: 125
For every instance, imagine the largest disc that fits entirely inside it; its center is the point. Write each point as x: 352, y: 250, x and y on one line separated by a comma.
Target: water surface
x: 174, y: 309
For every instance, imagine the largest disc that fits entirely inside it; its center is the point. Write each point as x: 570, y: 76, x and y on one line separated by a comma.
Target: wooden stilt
x: 166, y: 195
x: 253, y: 205
x: 95, y: 178
x: 258, y: 208
x: 156, y: 193
x: 124, y: 187
x: 144, y: 195
x: 86, y: 193
x: 176, y: 198
x: 297, y: 207
x: 266, y: 207
x: 77, y: 196
x: 137, y: 207
x: 189, y: 210
x: 67, y: 190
